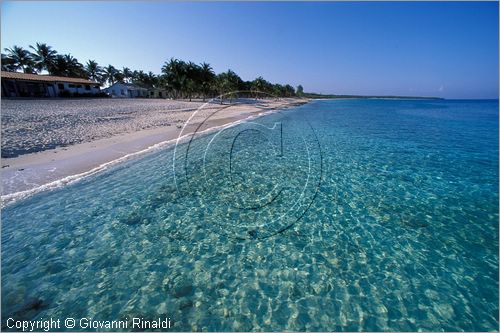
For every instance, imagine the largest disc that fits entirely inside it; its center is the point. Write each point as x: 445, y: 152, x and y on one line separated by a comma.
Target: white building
x: 126, y: 90
x: 16, y: 84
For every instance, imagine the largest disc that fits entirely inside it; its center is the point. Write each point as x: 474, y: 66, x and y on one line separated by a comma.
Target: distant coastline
x: 332, y: 96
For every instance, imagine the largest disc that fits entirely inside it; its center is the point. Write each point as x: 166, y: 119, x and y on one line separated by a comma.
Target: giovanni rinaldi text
x: 87, y: 323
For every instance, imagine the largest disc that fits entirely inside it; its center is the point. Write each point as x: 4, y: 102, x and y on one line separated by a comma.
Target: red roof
x: 44, y: 78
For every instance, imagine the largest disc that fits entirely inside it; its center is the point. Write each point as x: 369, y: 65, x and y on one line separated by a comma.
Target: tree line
x: 182, y: 79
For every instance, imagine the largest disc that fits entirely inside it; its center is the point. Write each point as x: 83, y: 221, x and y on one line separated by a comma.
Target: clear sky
x: 445, y: 49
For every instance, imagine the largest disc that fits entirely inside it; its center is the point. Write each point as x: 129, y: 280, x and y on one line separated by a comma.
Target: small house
x: 126, y: 90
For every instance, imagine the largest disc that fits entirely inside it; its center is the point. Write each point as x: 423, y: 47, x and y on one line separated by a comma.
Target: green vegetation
x: 180, y: 78
x: 300, y: 90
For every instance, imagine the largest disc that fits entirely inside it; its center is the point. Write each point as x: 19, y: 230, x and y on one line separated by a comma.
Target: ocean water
x: 345, y: 215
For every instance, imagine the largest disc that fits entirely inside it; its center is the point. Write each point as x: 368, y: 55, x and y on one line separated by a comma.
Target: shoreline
x: 28, y: 174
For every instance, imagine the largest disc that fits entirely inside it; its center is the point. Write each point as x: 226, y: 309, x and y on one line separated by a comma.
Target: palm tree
x: 227, y: 83
x: 139, y: 78
x: 207, y: 76
x: 182, y: 79
x: 20, y: 58
x: 151, y: 80
x: 261, y: 85
x: 93, y: 71
x: 43, y: 56
x: 289, y: 91
x: 300, y: 90
x: 175, y: 76
x: 278, y: 90
x: 59, y: 67
x: 75, y: 69
x: 110, y: 74
x: 8, y: 63
x: 192, y: 84
x: 119, y: 76
x: 127, y: 74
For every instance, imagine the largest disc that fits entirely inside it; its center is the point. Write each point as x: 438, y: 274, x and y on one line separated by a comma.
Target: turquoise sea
x: 344, y: 215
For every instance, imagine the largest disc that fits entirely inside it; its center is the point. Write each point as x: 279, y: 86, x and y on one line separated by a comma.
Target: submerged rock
x: 186, y: 305
x: 183, y: 291
x: 30, y: 309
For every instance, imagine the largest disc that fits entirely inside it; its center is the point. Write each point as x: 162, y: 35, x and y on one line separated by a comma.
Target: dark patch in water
x: 183, y: 291
x: 186, y: 305
x: 55, y: 267
x: 28, y: 310
x: 296, y: 293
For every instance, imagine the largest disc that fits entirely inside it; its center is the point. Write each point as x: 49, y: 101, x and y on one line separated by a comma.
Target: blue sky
x: 447, y: 49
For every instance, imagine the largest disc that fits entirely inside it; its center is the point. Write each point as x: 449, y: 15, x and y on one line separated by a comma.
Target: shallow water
x: 338, y: 215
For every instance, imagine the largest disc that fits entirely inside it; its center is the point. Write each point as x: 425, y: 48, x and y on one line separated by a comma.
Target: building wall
x: 118, y: 90
x: 16, y: 88
x: 138, y: 93
x: 20, y: 88
x: 157, y: 93
x: 75, y: 88
x: 124, y: 91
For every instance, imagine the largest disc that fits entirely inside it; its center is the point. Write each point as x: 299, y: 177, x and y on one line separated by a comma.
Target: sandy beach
x: 91, y: 146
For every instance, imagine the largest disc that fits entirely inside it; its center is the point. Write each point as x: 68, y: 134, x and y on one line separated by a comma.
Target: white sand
x: 30, y: 173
